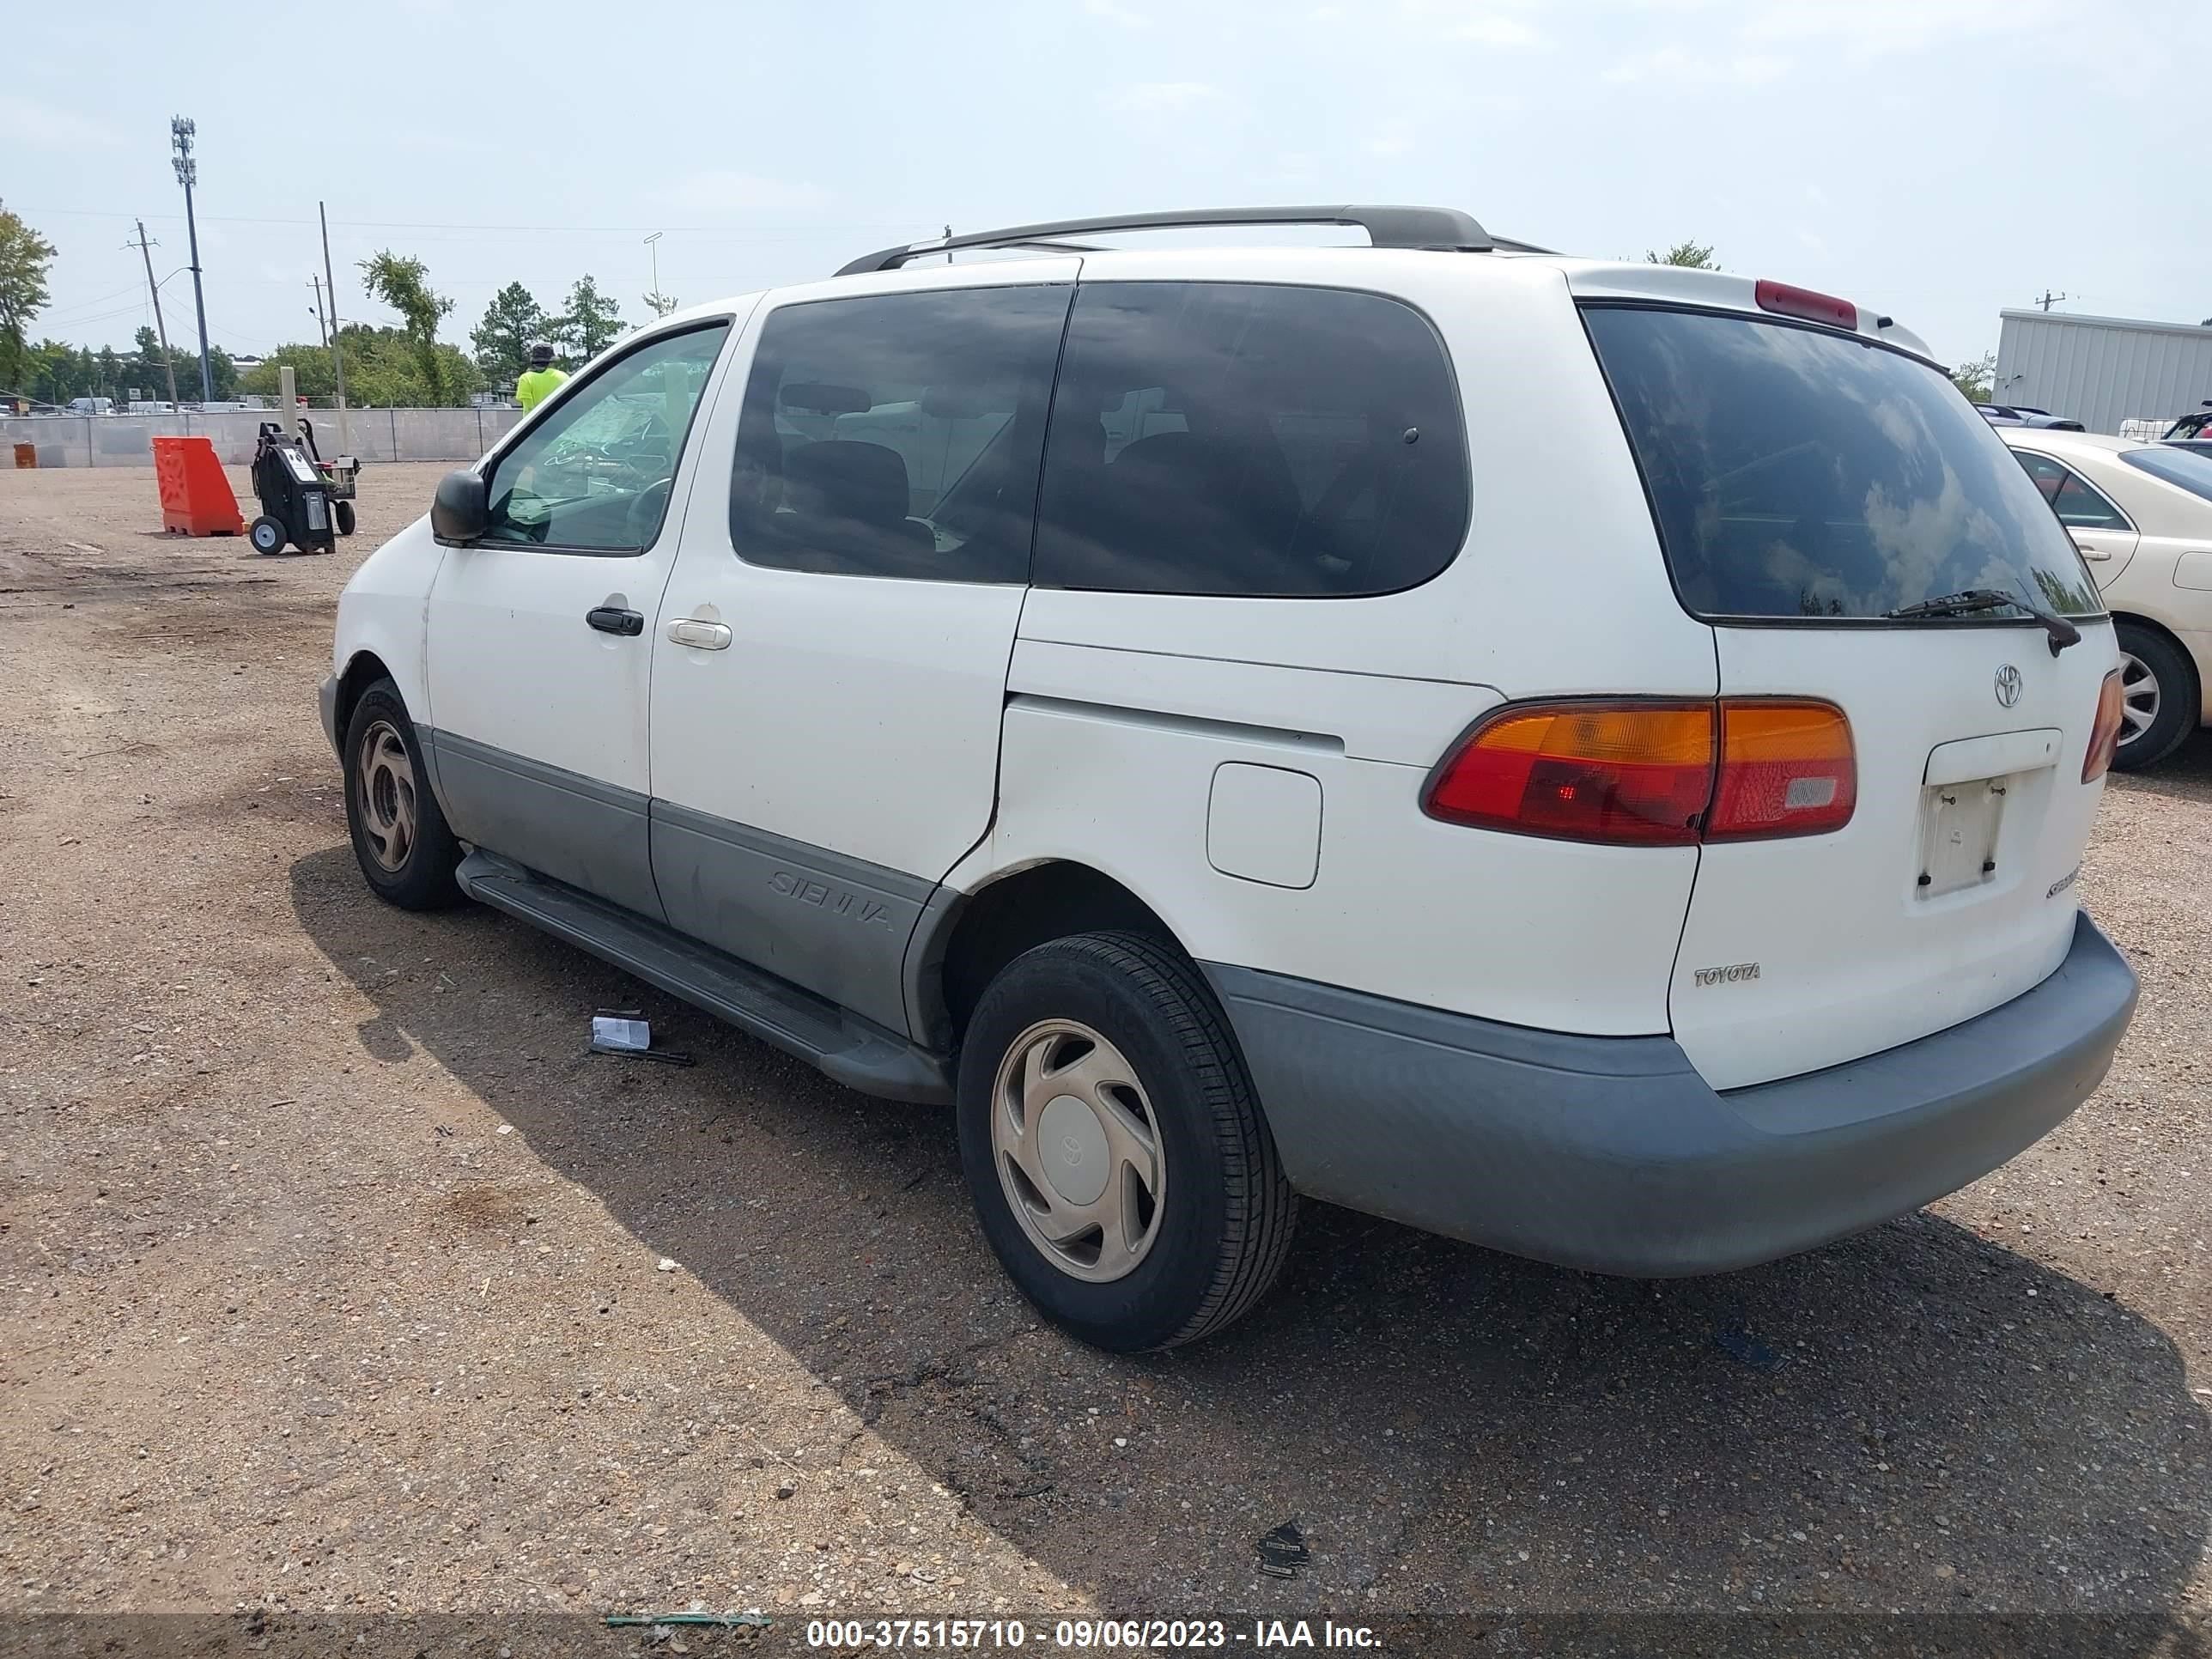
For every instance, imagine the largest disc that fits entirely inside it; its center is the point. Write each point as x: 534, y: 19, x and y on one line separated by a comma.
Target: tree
x: 404, y: 283
x: 383, y: 370
x: 590, y: 322
x: 661, y: 304
x: 1974, y: 376
x: 511, y: 322
x: 24, y: 257
x: 1691, y: 256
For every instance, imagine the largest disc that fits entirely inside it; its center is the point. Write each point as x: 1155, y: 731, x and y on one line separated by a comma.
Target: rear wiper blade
x: 2062, y: 632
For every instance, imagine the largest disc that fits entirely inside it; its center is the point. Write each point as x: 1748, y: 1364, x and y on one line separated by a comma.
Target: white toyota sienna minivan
x: 1591, y: 759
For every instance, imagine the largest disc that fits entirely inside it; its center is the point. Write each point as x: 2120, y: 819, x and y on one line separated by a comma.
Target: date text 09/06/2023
x: 1100, y: 1635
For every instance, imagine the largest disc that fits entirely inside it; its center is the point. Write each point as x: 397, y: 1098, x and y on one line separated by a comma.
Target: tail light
x: 1787, y: 768
x: 1646, y: 774
x: 1783, y: 300
x: 1635, y: 773
x: 2104, y: 734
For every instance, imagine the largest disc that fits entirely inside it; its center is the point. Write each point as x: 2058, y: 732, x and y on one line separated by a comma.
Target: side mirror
x: 461, y: 512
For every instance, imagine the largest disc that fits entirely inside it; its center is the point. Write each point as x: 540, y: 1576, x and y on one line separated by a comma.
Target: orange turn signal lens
x: 2105, y: 733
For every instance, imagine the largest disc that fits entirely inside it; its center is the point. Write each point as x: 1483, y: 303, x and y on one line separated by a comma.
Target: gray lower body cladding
x: 576, y: 829
x: 1612, y: 1153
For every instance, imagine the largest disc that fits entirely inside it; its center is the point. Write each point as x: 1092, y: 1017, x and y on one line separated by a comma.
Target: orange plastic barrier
x: 26, y: 455
x: 195, y: 498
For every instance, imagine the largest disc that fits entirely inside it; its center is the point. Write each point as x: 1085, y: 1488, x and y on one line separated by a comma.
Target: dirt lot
x: 339, y: 1281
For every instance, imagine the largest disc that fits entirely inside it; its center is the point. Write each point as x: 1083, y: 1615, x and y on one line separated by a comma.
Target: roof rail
x: 1386, y: 226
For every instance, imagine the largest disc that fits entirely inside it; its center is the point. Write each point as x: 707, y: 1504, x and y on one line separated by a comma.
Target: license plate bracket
x: 1960, y: 824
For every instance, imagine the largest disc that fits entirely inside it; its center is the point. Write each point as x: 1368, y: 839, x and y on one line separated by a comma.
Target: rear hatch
x: 1808, y: 484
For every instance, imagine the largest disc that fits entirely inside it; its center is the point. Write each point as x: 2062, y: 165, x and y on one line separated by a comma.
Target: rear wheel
x: 406, y: 850
x: 1117, y: 1159
x: 266, y: 534
x: 2158, y: 698
x: 342, y: 512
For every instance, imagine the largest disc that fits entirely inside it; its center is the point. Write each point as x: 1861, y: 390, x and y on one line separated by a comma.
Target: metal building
x: 2101, y: 371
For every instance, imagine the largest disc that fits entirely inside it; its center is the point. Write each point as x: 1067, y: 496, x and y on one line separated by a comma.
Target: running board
x: 856, y: 1052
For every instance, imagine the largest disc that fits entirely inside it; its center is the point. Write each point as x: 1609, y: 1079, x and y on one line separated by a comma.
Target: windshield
x: 1794, y: 472
x: 2189, y: 468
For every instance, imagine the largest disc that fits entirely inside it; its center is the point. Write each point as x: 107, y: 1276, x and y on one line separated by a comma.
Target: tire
x: 342, y: 514
x: 267, y: 535
x: 2158, y: 687
x: 1217, y: 1226
x: 389, y: 799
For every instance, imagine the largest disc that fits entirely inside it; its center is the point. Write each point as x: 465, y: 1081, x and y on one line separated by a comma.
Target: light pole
x: 180, y: 139
x: 653, y: 242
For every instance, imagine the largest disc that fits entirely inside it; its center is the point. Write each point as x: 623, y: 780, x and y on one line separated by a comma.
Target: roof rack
x: 1386, y: 226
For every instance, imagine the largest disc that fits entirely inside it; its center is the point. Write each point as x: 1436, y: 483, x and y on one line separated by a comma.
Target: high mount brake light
x: 1783, y: 300
x: 1652, y: 774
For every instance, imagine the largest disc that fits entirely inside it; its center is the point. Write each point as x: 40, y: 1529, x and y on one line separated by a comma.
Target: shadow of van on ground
x: 1915, y: 1419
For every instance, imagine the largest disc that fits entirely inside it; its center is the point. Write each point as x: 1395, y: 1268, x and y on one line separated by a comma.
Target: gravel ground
x: 340, y: 1282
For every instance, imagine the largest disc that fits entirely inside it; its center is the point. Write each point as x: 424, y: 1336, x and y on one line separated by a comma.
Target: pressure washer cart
x: 340, y: 477
x: 305, y: 501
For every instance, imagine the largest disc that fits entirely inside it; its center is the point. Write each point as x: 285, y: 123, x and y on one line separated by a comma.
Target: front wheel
x: 405, y: 848
x: 2157, y: 698
x: 1117, y: 1159
x: 266, y: 534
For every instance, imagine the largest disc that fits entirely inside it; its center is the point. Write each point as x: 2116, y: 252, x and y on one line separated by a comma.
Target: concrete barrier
x: 371, y: 434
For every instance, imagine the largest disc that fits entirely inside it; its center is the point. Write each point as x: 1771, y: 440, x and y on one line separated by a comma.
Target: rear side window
x: 2077, y: 505
x: 1799, y: 473
x: 898, y: 434
x: 1251, y: 439
x: 2184, y: 467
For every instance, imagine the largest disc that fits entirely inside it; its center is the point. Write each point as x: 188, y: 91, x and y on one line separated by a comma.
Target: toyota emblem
x: 2007, y: 685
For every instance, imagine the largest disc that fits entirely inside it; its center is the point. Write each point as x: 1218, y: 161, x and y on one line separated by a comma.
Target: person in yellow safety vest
x: 533, y: 387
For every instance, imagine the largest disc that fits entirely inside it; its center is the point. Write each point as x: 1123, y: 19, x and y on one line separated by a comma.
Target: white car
x: 2142, y: 514
x: 1588, y: 758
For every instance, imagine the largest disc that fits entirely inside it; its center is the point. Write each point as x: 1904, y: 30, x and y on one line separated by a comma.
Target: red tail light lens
x: 1784, y: 301
x: 1787, y: 768
x: 1652, y: 774
x: 2104, y: 734
x: 1635, y: 774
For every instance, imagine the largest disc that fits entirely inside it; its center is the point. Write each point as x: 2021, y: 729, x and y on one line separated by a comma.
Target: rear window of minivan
x: 1799, y: 473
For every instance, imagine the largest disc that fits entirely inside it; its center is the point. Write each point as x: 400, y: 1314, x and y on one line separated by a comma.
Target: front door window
x: 594, y: 476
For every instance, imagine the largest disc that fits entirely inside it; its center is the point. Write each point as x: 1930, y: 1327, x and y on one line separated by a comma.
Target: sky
x: 1938, y: 160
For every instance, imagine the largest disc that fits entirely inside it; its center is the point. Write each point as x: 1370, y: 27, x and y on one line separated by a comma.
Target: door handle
x: 611, y: 619
x: 2098, y: 553
x: 700, y: 635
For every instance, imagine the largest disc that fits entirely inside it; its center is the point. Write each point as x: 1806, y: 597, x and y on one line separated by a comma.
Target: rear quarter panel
x: 1123, y: 705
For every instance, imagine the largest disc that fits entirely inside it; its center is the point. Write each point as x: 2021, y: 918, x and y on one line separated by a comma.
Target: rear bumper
x: 1613, y: 1154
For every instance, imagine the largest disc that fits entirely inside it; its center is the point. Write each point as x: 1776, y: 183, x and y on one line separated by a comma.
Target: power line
x: 416, y: 224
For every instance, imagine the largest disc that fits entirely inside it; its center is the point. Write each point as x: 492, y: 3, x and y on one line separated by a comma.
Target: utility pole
x: 337, y: 356
x: 2050, y: 299
x: 160, y: 328
x: 315, y: 279
x: 188, y: 171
